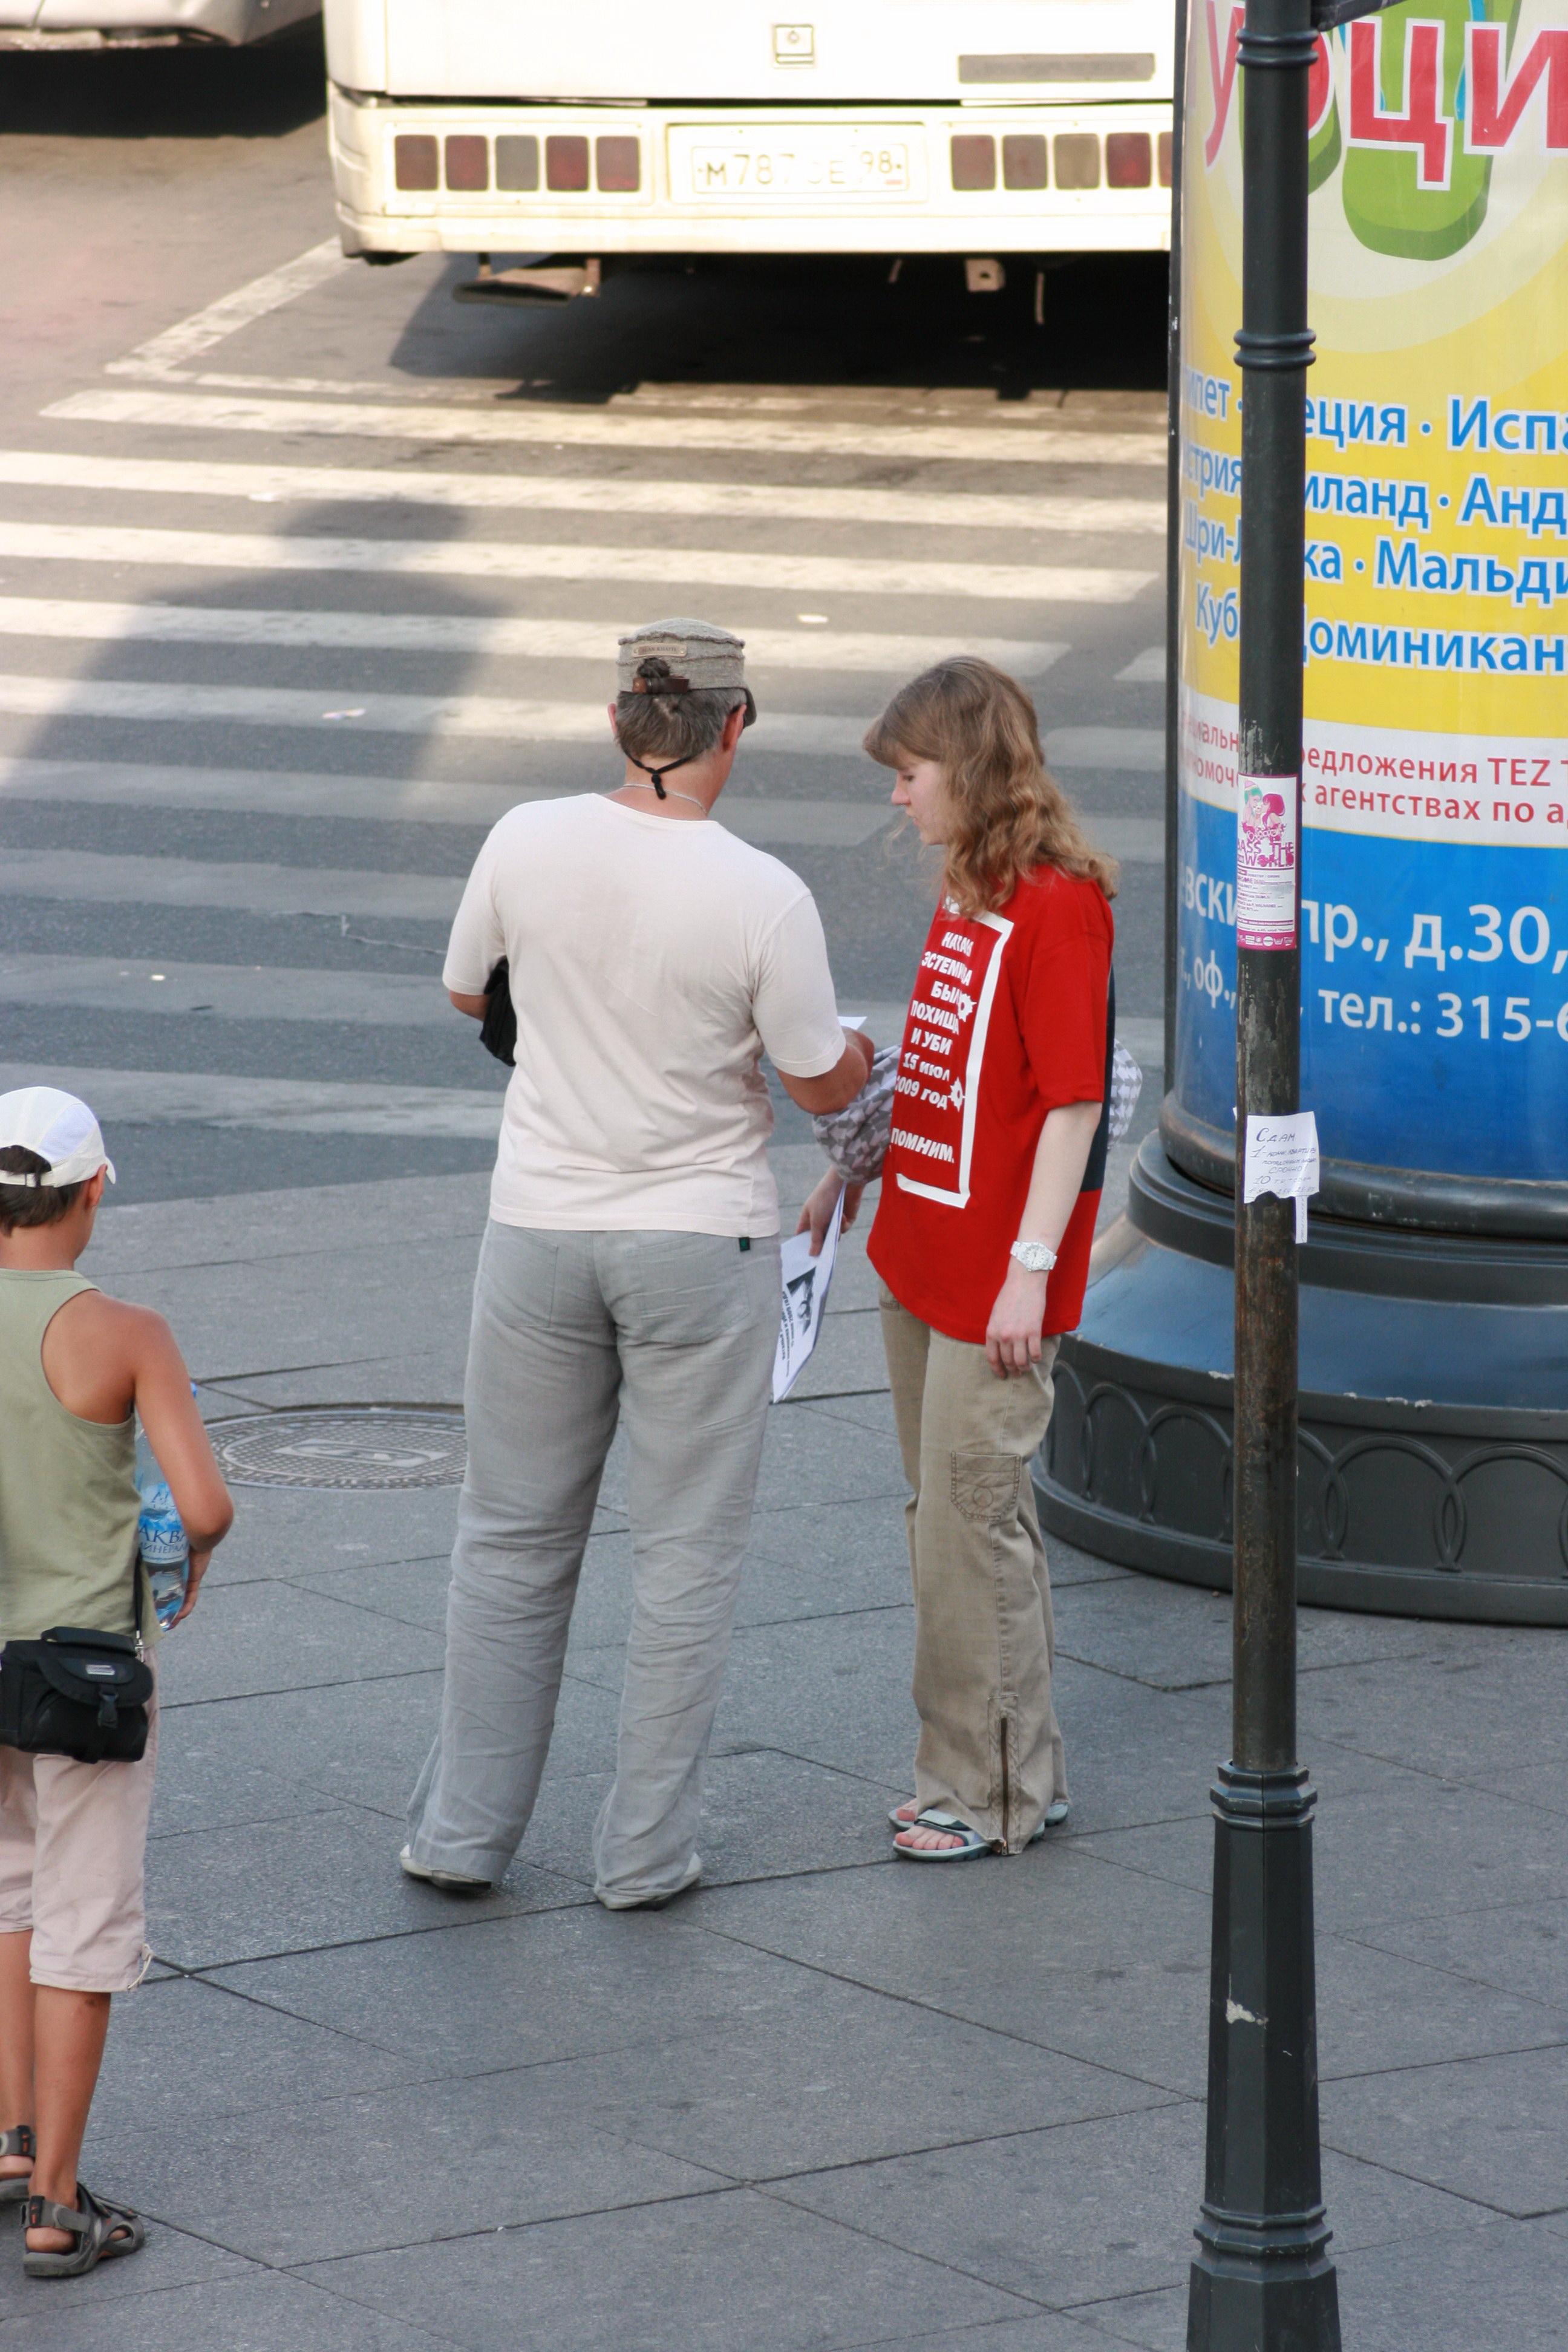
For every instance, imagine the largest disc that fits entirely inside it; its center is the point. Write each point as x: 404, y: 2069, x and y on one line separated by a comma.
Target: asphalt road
x: 299, y: 591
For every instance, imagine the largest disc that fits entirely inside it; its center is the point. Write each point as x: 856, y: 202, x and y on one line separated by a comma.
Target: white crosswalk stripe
x: 627, y: 427
x: 230, y: 992
x: 971, y: 548
x: 584, y: 494
x: 219, y: 319
x: 526, y: 559
x: 85, y: 620
x: 773, y: 822
x: 430, y: 716
x: 156, y: 1097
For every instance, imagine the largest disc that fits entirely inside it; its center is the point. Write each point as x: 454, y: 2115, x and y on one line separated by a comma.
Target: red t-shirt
x: 1009, y: 1023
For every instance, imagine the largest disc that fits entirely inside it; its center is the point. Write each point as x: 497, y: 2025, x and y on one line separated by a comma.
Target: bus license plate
x: 791, y: 167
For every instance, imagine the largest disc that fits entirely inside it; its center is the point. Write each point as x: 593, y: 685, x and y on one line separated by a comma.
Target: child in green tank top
x: 76, y: 1370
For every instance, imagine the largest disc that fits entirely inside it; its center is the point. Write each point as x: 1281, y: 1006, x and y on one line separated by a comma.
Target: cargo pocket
x: 984, y: 1486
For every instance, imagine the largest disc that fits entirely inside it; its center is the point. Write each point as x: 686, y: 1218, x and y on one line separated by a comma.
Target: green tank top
x: 69, y: 1501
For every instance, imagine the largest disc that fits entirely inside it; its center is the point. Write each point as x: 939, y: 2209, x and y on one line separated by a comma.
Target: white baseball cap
x: 59, y: 1128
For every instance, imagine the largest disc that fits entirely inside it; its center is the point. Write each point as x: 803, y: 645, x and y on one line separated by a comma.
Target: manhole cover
x: 364, y: 1447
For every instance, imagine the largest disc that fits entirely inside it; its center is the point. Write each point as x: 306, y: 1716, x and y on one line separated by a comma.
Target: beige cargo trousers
x: 990, y: 1748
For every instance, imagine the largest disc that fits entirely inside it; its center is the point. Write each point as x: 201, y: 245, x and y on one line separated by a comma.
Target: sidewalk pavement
x: 828, y: 2099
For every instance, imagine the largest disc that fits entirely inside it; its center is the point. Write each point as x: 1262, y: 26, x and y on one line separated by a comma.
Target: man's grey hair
x: 653, y: 725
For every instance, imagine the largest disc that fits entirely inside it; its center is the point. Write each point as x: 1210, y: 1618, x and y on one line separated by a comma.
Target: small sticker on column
x: 1266, y: 861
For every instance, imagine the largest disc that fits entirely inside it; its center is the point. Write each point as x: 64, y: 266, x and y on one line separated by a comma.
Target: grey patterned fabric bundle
x: 855, y: 1138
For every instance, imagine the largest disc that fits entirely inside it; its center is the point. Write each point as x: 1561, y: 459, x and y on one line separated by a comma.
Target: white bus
x: 588, y: 129
x: 145, y: 24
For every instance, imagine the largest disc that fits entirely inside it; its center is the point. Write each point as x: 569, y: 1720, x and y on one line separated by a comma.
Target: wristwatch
x: 1035, y: 1256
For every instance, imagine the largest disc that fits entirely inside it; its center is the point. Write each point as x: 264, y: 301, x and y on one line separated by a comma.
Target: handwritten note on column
x: 1281, y: 1156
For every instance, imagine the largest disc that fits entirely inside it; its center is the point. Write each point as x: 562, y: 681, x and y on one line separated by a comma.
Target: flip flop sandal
x: 931, y: 1819
x: 103, y: 2229
x: 15, y: 2186
x: 903, y: 1817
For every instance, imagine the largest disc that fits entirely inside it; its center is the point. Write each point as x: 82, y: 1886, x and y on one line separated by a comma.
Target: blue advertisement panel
x: 1434, y: 799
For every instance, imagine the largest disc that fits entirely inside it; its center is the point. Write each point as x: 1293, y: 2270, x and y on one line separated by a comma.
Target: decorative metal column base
x: 1263, y: 2280
x: 1433, y: 1409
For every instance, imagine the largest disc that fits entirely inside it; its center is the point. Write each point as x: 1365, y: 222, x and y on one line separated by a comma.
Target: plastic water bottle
x: 161, y: 1535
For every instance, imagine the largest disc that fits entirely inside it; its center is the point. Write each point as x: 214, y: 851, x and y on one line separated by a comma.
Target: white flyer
x: 1281, y: 1156
x: 806, y: 1285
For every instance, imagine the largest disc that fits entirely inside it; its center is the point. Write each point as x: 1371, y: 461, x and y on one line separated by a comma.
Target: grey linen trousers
x: 990, y: 1748
x: 674, y: 1334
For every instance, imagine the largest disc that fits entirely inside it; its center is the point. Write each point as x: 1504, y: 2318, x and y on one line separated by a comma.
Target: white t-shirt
x: 651, y: 962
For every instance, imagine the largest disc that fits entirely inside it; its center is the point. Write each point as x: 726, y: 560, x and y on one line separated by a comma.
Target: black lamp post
x: 1263, y: 2280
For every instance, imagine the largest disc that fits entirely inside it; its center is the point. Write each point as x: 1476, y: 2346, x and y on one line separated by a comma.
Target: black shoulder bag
x: 498, y: 1032
x: 76, y: 1693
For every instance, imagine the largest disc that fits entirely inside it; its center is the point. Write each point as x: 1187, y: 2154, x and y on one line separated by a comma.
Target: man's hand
x: 817, y: 1213
x: 1012, y: 1334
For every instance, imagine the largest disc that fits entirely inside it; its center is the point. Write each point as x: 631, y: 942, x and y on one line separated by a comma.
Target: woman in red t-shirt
x: 982, y: 1235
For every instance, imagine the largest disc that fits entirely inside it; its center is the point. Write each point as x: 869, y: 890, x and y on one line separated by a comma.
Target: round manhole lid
x: 348, y: 1447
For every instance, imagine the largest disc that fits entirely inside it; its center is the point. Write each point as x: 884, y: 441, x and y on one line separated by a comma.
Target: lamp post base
x: 1263, y: 2280
x: 1434, y: 1443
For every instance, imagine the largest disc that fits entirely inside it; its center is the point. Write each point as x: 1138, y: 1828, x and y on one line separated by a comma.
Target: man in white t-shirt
x: 630, y: 1267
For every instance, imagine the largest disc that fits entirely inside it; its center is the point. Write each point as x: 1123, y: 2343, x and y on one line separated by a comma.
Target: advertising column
x: 1435, y: 795
x: 1431, y: 836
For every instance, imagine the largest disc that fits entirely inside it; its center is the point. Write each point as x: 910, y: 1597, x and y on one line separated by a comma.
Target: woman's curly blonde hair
x: 1010, y: 813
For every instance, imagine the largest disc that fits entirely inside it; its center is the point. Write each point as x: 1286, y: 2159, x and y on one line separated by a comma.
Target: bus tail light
x: 468, y: 162
x: 517, y: 164
x: 617, y: 166
x: 1077, y: 160
x: 974, y: 162
x: 417, y: 162
x: 1129, y: 160
x: 567, y: 165
x: 1024, y: 161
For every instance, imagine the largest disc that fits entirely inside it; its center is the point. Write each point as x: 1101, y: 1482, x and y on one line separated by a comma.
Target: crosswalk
x: 257, y: 706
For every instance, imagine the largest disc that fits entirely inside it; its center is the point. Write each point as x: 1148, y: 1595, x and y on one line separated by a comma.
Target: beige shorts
x: 73, y: 1844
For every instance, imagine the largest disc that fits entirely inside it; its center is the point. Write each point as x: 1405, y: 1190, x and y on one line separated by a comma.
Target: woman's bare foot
x: 918, y: 1840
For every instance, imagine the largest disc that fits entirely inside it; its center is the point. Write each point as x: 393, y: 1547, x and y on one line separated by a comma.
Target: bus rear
x: 603, y: 128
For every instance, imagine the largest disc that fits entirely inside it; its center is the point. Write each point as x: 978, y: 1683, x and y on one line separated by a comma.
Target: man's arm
x: 476, y: 1007
x: 837, y: 1087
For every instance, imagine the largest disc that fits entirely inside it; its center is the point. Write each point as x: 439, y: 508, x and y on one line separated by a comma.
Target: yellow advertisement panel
x: 1434, y: 789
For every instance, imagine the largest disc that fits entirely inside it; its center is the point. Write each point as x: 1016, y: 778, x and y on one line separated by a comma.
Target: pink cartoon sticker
x: 1266, y: 862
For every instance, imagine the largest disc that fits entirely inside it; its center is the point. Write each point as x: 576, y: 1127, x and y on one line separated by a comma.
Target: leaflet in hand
x: 806, y: 1285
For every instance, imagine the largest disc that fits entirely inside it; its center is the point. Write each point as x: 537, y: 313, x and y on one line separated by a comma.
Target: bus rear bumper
x: 444, y: 177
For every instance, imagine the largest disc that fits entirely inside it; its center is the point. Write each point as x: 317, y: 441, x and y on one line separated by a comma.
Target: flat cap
x: 698, y: 657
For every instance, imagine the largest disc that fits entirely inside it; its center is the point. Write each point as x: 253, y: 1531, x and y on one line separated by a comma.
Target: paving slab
x: 1494, y: 2128
x: 738, y: 2273
x: 765, y: 1815
x: 1389, y: 1845
x: 246, y: 1639
x: 1077, y: 2218
x: 1050, y: 1947
x: 1521, y: 1947
x: 225, y: 1895
x: 729, y: 2122
x: 1506, y: 2285
x: 244, y: 2309
x: 448, y: 2156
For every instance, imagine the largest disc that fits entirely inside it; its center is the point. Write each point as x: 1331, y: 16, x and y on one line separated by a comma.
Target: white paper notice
x: 806, y: 1287
x: 1266, y: 861
x: 1282, y: 1158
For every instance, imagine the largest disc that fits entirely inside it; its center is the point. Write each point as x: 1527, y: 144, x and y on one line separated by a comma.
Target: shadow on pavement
x: 811, y: 321
x: 260, y: 92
